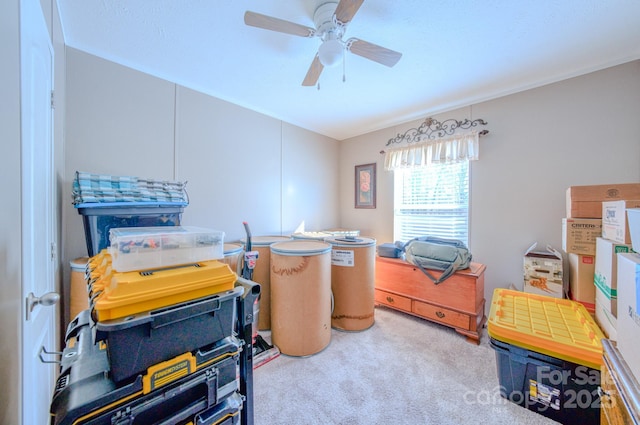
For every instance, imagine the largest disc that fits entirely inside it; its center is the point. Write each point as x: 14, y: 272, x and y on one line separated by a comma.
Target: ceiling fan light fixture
x: 330, y: 19
x: 330, y: 52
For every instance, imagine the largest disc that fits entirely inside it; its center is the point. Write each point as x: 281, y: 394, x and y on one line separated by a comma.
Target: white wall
x: 239, y: 165
x: 231, y: 158
x: 310, y: 180
x: 244, y: 166
x: 580, y: 131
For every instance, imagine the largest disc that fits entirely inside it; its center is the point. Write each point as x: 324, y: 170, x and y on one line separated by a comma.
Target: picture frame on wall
x: 365, y: 186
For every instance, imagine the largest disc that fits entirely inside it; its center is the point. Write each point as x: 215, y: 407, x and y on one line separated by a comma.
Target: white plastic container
x: 143, y: 248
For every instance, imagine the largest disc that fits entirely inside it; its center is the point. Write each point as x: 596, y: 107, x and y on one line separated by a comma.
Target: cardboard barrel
x: 261, y: 275
x: 301, y: 296
x: 352, y: 282
x: 232, y: 255
x: 79, y: 296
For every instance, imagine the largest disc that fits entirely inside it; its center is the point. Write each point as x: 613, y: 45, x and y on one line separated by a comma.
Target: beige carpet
x: 403, y: 370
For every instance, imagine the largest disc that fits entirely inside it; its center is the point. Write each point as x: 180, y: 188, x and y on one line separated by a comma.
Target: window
x: 433, y: 201
x: 431, y: 196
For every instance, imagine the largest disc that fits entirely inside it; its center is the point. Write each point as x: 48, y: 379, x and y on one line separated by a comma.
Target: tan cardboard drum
x: 262, y: 275
x: 232, y: 255
x: 79, y: 299
x: 352, y: 282
x: 301, y: 296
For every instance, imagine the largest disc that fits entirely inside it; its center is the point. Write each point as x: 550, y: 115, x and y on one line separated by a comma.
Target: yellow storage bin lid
x: 556, y: 327
x: 130, y: 293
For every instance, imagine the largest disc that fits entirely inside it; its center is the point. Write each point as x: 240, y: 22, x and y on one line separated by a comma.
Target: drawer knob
x: 390, y: 299
x: 440, y: 314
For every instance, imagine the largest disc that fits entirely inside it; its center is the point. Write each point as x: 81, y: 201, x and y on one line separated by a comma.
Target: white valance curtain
x: 462, y: 147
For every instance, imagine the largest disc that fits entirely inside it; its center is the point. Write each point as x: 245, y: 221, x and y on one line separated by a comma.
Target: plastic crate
x: 563, y: 391
x: 100, y: 218
x: 137, y: 342
x: 140, y: 248
x: 548, y: 355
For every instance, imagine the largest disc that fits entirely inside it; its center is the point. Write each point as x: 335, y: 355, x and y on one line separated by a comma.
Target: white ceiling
x: 455, y: 52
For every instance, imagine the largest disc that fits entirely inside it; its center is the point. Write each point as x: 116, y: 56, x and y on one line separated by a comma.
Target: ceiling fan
x: 330, y: 19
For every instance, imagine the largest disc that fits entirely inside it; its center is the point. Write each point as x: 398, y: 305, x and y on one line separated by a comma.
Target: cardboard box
x: 607, y: 322
x: 579, y: 235
x: 615, y: 225
x: 586, y: 201
x: 628, y: 310
x: 581, y: 287
x: 633, y: 217
x: 543, y: 272
x: 606, y: 272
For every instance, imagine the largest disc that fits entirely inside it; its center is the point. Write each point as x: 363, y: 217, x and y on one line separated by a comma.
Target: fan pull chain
x: 344, y: 67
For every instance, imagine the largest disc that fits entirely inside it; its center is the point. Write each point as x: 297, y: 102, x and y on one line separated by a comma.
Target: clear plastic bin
x: 142, y: 248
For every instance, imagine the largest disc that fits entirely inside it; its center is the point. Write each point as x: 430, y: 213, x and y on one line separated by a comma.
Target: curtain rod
x: 432, y: 129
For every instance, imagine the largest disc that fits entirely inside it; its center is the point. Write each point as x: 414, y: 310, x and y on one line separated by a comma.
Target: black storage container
x: 176, y: 391
x: 137, y: 342
x: 560, y: 390
x: 99, y: 218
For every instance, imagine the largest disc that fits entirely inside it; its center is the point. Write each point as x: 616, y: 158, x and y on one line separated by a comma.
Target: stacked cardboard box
x: 581, y: 288
x: 605, y: 279
x: 615, y: 224
x: 579, y: 242
x: 586, y: 201
x: 594, y: 231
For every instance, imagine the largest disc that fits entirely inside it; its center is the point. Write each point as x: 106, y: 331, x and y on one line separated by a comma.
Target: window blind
x: 432, y: 201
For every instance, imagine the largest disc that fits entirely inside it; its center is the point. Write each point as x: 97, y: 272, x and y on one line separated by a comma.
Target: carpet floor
x: 402, y: 370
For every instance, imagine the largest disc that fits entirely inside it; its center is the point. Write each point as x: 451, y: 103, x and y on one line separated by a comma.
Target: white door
x: 38, y: 195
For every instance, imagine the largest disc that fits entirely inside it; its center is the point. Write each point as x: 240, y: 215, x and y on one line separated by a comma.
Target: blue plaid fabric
x: 99, y: 188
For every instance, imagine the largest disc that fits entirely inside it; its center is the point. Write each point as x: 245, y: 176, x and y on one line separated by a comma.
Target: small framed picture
x: 366, y: 186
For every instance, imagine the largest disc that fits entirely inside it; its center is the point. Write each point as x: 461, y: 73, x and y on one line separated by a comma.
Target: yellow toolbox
x: 144, y: 317
x: 118, y: 295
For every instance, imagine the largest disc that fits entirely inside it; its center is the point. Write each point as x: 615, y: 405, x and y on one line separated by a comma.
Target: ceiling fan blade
x: 373, y: 52
x: 313, y: 73
x: 274, y: 24
x: 346, y: 9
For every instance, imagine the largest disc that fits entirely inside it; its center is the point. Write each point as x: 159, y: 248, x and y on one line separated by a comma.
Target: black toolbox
x: 210, y: 385
x: 190, y: 387
x: 139, y: 341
